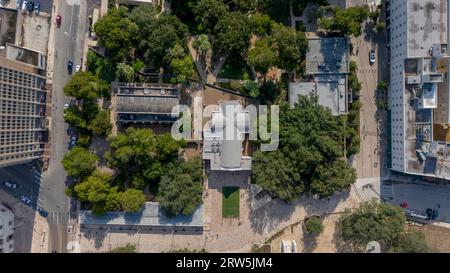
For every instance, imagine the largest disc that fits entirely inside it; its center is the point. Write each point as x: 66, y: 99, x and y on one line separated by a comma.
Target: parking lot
x: 421, y: 196
x: 28, y: 178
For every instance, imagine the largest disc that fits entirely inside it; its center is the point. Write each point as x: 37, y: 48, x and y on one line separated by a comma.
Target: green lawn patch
x: 235, y: 69
x: 230, y: 202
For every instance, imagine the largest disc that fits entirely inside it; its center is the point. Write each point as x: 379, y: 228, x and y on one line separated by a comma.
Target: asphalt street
x: 68, y: 45
x: 421, y: 196
x: 28, y: 179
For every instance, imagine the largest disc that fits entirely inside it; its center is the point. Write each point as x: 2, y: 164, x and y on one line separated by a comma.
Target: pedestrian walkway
x: 61, y: 217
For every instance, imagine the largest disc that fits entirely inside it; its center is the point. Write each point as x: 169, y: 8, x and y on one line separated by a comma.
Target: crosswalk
x: 61, y: 217
x: 387, y: 191
x: 38, y: 191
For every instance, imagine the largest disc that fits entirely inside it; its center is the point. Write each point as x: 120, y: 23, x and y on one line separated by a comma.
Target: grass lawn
x: 235, y: 69
x: 230, y: 202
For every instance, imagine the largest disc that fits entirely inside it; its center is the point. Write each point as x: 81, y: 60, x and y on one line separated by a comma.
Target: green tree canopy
x: 132, y: 200
x: 125, y: 72
x: 180, y: 190
x: 410, y: 242
x: 117, y: 33
x: 139, y: 152
x: 183, y: 69
x: 345, y: 21
x: 85, y: 86
x: 208, y: 13
x: 233, y: 33
x: 95, y: 188
x: 290, y: 45
x: 101, y: 124
x: 308, y: 159
x: 202, y: 44
x: 128, y: 248
x: 373, y: 222
x: 79, y: 162
x: 262, y: 56
x: 314, y: 225
x: 261, y: 24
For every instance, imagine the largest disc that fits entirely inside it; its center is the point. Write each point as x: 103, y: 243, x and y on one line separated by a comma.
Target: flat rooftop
x: 222, y: 144
x: 331, y: 90
x: 427, y: 26
x: 8, y: 23
x: 327, y: 55
x: 147, y: 99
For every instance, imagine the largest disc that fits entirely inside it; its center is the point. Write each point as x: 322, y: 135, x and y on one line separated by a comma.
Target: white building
x: 6, y: 230
x: 419, y: 113
x: 222, y: 142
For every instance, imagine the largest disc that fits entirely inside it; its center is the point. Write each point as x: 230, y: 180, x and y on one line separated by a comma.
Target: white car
x: 77, y: 68
x: 25, y: 199
x: 66, y: 105
x: 372, y: 56
x: 24, y: 6
x: 10, y: 184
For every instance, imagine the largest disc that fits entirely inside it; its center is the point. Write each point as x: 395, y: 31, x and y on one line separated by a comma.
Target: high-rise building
x: 22, y: 112
x: 6, y: 229
x: 419, y: 104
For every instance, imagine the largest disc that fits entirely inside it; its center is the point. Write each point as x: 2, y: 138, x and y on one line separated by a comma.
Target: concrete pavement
x: 68, y: 44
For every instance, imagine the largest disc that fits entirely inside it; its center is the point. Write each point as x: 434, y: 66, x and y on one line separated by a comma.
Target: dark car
x: 30, y: 6
x: 58, y: 20
x: 70, y: 67
x: 435, y: 215
x: 37, y: 8
x: 429, y: 213
x: 43, y: 212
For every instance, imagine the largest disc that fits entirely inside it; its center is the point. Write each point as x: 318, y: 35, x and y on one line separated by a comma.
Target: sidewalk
x: 39, y: 243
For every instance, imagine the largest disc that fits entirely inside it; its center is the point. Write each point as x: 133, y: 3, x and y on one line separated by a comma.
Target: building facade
x: 327, y: 68
x: 147, y: 103
x: 22, y: 112
x: 419, y: 135
x: 6, y: 230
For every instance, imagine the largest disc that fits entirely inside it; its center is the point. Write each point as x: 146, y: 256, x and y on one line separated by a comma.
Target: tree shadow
x: 98, y: 236
x: 309, y: 242
x: 267, y: 218
x: 342, y: 246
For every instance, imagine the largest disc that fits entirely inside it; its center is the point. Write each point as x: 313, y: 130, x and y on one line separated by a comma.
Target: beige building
x: 22, y: 112
x: 6, y: 230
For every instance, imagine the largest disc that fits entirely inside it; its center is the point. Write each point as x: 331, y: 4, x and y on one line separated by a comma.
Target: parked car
x: 25, y: 200
x: 66, y: 105
x: 42, y: 212
x: 10, y: 184
x: 372, y: 56
x: 70, y: 67
x: 24, y: 6
x: 37, y: 8
x: 30, y: 6
x: 435, y: 215
x: 77, y: 68
x: 58, y: 20
x: 18, y: 4
x: 73, y: 141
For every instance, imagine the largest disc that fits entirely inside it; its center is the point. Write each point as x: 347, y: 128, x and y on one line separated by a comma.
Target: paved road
x: 69, y: 40
x: 420, y: 196
x: 371, y: 161
x: 28, y: 179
